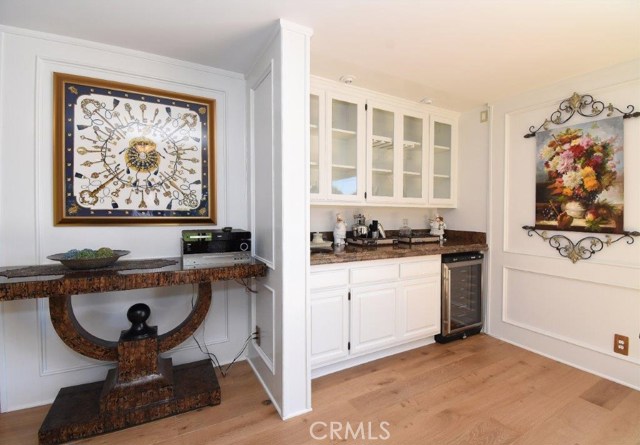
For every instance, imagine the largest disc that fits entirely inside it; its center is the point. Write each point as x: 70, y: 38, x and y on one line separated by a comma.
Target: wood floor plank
x: 624, y: 427
x: 479, y: 391
x: 606, y: 394
x: 575, y: 422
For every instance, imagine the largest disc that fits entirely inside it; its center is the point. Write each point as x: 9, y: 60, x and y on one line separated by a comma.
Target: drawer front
x: 372, y: 274
x: 329, y: 278
x: 423, y: 268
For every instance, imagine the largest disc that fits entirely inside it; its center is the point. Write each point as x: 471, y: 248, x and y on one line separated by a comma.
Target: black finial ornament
x: 138, y: 314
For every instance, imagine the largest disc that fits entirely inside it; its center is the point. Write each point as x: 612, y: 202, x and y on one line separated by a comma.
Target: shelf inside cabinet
x: 441, y: 176
x: 442, y: 147
x: 381, y: 142
x: 382, y: 170
x: 343, y: 134
x: 412, y: 144
x: 314, y: 163
x: 344, y: 167
x: 412, y: 173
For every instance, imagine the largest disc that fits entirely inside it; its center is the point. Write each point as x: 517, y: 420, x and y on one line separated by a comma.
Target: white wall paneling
x: 35, y: 363
x: 265, y: 317
x: 268, y: 63
x: 263, y: 219
x: 556, y: 306
x: 286, y: 58
x: 538, y: 299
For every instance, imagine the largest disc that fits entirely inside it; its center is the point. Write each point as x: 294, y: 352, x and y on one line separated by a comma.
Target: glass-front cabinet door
x: 414, y: 157
x: 315, y: 114
x: 345, y: 148
x: 396, y: 155
x: 382, y: 154
x: 443, y: 161
x: 337, y: 124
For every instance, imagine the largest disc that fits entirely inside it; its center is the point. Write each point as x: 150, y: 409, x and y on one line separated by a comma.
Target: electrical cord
x: 214, y: 359
x: 245, y: 283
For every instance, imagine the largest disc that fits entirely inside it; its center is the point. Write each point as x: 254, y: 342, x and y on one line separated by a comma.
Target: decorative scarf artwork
x: 128, y: 154
x: 579, y: 177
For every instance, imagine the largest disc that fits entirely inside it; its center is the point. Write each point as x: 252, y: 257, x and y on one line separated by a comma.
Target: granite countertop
x: 457, y: 242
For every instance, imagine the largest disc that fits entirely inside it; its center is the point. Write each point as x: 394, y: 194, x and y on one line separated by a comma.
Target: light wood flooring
x: 472, y: 392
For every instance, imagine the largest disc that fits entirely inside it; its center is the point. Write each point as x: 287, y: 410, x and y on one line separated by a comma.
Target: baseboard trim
x: 323, y: 370
x: 567, y: 362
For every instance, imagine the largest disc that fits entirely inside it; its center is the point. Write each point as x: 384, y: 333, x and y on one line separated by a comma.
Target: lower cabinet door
x: 420, y: 308
x: 374, y: 312
x: 329, y: 326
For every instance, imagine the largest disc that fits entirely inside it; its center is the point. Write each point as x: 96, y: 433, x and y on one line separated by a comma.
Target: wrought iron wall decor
x: 585, y: 105
x: 576, y: 251
x: 581, y: 166
x: 128, y: 154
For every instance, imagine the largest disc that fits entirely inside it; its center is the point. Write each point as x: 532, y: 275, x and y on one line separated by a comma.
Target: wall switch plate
x: 484, y: 116
x: 621, y: 344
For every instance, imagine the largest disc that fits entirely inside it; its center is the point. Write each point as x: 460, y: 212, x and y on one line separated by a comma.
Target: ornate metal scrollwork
x: 585, y: 105
x: 584, y: 248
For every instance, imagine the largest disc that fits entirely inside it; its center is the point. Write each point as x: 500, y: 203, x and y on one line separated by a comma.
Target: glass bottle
x: 405, y: 230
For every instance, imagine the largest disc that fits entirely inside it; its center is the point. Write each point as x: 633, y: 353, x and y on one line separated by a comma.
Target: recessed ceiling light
x: 426, y: 100
x: 348, y: 79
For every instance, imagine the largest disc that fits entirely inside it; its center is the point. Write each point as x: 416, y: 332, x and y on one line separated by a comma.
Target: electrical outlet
x: 257, y: 338
x: 621, y: 344
x: 484, y: 116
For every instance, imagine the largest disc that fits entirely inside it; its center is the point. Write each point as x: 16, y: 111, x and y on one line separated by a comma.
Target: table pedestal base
x: 76, y: 413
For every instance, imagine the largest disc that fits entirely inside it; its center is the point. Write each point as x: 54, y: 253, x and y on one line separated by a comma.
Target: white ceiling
x: 460, y: 53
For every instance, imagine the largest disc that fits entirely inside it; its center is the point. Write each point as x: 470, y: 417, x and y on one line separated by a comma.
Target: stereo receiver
x: 217, y: 247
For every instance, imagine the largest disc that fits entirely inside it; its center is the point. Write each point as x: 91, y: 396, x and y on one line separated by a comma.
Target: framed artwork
x: 126, y: 154
x: 579, y: 177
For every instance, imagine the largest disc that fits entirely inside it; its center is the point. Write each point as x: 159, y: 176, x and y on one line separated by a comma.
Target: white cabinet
x: 420, y: 308
x: 329, y: 315
x: 374, y: 311
x: 364, y: 307
x: 329, y: 326
x: 368, y: 148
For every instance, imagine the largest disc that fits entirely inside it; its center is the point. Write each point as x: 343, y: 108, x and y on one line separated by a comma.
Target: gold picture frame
x: 128, y: 154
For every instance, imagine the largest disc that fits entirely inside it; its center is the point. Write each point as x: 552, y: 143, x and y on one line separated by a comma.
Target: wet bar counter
x: 457, y: 241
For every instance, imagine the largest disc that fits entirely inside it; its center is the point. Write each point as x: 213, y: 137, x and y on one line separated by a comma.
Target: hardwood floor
x: 472, y: 392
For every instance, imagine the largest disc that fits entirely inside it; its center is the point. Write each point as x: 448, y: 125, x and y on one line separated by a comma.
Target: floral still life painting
x: 579, y: 177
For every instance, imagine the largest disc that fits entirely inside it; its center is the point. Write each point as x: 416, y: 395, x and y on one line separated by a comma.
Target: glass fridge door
x: 464, y: 295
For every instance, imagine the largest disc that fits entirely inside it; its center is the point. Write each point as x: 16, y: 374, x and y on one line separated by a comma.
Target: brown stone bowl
x: 88, y: 263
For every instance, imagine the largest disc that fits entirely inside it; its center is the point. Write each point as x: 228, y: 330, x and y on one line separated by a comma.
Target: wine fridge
x: 461, y: 296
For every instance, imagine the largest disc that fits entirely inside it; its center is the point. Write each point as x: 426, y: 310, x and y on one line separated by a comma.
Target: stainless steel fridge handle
x: 446, y: 300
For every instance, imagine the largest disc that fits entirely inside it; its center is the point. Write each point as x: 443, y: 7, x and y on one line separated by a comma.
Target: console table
x: 143, y: 386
